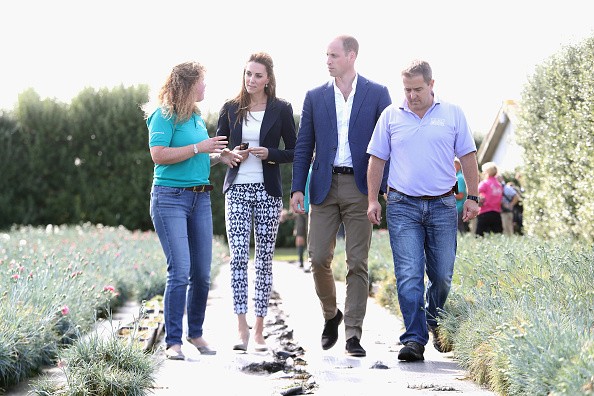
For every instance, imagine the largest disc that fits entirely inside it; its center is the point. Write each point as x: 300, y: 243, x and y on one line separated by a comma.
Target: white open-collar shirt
x: 343, y: 116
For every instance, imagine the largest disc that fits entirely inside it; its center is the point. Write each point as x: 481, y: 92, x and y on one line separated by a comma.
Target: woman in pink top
x: 490, y: 191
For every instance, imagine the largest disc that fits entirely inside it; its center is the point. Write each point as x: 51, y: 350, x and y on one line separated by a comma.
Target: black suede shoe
x: 330, y: 333
x: 411, y: 352
x: 354, y: 348
x: 437, y: 344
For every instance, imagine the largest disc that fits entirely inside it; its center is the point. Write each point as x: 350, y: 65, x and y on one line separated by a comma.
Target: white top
x: 250, y: 170
x: 343, y: 116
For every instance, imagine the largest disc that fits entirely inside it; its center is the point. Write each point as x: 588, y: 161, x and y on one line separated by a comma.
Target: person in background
x: 253, y: 190
x: 337, y: 120
x: 509, y: 199
x: 491, y: 192
x: 300, y: 233
x: 180, y: 201
x: 421, y: 211
x: 460, y: 197
x: 519, y: 207
x: 300, y: 230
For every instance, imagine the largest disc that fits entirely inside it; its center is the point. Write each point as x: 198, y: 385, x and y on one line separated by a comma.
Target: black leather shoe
x: 411, y: 352
x: 330, y: 333
x: 354, y: 348
x: 437, y: 344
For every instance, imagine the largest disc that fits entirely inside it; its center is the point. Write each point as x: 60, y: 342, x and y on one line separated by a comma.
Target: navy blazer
x: 318, y: 132
x: 278, y: 122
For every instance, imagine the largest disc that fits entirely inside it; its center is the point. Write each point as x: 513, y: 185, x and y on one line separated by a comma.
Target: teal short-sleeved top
x: 163, y: 131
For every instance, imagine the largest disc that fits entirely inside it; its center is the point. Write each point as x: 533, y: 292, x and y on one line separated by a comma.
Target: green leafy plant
x: 102, y: 366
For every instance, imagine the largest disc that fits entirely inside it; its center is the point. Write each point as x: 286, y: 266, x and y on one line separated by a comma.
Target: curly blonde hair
x: 176, y: 95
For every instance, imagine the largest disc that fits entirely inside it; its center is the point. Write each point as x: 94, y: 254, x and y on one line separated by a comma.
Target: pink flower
x: 65, y: 310
x: 109, y: 288
x: 15, y: 276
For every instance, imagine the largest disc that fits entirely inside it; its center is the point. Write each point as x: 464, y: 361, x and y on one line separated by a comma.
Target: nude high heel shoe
x: 261, y: 347
x: 242, y: 344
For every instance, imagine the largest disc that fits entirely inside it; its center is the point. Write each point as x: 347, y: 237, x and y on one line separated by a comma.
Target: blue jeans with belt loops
x: 423, y: 238
x: 183, y: 222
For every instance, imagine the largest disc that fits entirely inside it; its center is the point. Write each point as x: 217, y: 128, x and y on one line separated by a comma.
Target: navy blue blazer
x: 318, y: 132
x: 278, y: 122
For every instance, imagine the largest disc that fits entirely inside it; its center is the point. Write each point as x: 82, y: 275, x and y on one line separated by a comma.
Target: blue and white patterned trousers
x: 245, y: 203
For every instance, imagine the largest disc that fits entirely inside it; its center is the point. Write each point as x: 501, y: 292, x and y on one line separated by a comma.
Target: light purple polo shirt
x: 421, y: 151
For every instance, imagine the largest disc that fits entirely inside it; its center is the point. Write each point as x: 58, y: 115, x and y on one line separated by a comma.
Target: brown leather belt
x: 202, y: 188
x: 425, y: 197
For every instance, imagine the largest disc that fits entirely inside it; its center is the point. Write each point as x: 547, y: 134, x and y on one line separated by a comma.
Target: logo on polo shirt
x: 438, y: 121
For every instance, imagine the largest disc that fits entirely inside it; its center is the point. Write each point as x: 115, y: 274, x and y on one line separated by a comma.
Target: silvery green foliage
x: 520, y: 314
x: 556, y: 130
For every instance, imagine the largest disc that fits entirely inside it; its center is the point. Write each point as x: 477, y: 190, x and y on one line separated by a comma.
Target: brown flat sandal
x: 174, y: 355
x: 203, y: 349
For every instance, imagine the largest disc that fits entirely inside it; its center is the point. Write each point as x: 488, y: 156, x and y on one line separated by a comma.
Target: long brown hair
x: 176, y: 95
x: 243, y: 97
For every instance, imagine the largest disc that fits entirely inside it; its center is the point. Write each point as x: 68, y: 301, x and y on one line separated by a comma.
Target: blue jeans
x: 183, y: 222
x: 422, y: 238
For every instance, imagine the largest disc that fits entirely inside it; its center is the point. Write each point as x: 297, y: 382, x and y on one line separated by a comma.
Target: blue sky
x: 482, y: 52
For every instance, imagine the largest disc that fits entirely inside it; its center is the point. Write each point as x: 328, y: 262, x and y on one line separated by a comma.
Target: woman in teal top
x: 180, y: 201
x: 463, y: 226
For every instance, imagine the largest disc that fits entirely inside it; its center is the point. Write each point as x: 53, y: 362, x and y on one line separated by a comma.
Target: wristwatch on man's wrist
x: 195, y: 148
x: 473, y: 197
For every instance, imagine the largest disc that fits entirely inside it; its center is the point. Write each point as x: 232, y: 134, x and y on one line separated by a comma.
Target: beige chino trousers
x: 344, y: 204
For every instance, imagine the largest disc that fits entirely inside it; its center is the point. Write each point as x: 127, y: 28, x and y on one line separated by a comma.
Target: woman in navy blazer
x: 255, y: 121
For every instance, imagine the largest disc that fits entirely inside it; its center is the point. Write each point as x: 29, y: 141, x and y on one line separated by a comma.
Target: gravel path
x: 296, y: 364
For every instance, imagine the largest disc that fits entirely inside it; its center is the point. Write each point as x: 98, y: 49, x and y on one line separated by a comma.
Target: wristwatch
x: 195, y: 148
x: 473, y: 197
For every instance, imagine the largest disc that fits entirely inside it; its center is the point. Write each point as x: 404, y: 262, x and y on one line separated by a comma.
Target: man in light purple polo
x: 420, y: 138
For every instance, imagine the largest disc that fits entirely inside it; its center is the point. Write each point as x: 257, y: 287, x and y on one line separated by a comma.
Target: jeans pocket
x: 394, y: 197
x: 449, y: 201
x: 164, y: 190
x: 166, y: 197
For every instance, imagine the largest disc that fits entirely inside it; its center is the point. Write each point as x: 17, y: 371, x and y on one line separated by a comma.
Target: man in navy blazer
x: 337, y: 121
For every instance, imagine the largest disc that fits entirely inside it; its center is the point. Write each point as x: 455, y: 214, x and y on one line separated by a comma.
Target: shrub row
x: 89, y: 162
x: 556, y: 131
